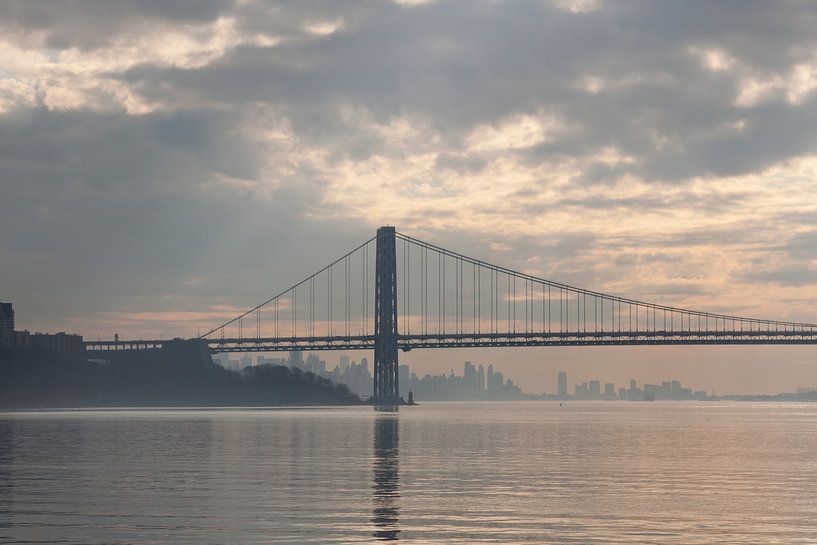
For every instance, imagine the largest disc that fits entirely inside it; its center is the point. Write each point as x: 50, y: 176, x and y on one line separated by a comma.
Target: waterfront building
x: 59, y: 343
x: 595, y: 389
x: 22, y: 339
x: 582, y: 391
x: 7, y: 325
x: 634, y: 393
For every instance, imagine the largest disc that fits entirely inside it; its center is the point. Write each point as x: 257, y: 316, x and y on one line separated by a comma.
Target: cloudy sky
x: 163, y: 164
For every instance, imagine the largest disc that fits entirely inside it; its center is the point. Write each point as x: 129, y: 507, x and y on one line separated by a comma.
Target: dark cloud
x: 93, y: 24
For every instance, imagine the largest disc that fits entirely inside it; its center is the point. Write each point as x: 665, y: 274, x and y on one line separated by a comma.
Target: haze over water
x: 438, y: 473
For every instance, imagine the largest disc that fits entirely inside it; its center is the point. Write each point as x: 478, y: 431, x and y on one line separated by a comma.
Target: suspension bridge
x: 443, y: 299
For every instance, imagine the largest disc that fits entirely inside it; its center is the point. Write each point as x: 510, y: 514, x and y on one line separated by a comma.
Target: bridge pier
x: 386, y: 387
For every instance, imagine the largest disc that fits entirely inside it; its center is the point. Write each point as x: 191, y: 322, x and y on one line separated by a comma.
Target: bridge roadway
x: 474, y: 340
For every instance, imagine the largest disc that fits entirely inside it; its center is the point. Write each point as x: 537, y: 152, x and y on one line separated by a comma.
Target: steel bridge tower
x: 386, y: 386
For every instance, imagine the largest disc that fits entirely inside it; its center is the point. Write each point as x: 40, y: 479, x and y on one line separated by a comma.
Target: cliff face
x: 179, y: 375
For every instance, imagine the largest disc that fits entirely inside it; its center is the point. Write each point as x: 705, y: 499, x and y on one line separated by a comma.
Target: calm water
x: 440, y: 472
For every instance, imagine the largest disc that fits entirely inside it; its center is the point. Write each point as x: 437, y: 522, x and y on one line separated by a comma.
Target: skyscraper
x: 480, y: 378
x: 312, y: 363
x: 296, y: 358
x: 469, y: 375
x: 562, y: 384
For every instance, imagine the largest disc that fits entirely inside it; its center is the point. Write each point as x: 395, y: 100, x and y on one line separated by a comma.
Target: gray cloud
x: 463, y: 65
x: 786, y: 276
x: 93, y: 24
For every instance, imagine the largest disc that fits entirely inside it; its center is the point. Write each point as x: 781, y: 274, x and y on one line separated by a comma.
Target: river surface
x: 519, y: 472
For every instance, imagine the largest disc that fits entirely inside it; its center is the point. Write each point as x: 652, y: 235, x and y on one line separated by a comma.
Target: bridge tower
x: 386, y: 387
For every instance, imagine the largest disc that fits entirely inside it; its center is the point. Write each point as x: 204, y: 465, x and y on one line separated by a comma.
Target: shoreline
x: 315, y: 406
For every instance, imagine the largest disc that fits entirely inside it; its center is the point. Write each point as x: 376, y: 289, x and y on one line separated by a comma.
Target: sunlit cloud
x: 518, y: 132
x: 324, y: 28
x: 577, y: 6
x: 795, y: 86
x: 713, y: 59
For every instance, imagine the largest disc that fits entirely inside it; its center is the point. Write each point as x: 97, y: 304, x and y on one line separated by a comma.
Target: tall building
x: 469, y: 375
x: 595, y: 389
x: 609, y: 390
x: 296, y: 358
x: 499, y: 380
x: 634, y: 392
x: 480, y: 378
x: 562, y: 384
x: 321, y: 368
x: 675, y: 386
x: 6, y: 325
x: 313, y: 363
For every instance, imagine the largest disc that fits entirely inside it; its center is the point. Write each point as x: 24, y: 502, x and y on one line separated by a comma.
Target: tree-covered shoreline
x: 39, y: 379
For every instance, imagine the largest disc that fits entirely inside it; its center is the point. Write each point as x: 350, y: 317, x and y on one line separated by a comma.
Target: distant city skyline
x: 596, y: 389
x: 335, y: 366
x: 476, y: 381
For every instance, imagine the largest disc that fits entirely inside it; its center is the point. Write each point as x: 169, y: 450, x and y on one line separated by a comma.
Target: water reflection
x: 385, y: 493
x: 6, y: 482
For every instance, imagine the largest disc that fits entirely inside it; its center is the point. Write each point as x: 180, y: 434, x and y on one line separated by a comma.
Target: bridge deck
x: 472, y: 340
